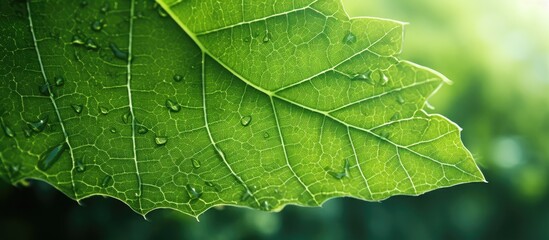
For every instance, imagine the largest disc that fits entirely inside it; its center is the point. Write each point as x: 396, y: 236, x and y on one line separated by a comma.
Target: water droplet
x: 246, y: 120
x: 142, y: 129
x: 51, y: 156
x: 342, y: 174
x: 137, y: 194
x: 90, y: 44
x: 246, y: 39
x: 216, y: 187
x: 161, y: 12
x: 400, y: 99
x: 172, y: 106
x: 346, y: 166
x: 265, y: 135
x: 97, y: 25
x: 78, y: 40
x: 38, y: 126
x: 196, y: 163
x: 384, y: 79
x: 8, y: 131
x: 59, y: 81
x: 267, y: 37
x: 177, y: 78
x: 83, y: 3
x: 123, y: 55
x: 349, y: 38
x: 105, y: 7
x: 44, y: 89
x: 337, y: 175
x: 193, y: 192
x: 161, y: 141
x: 265, y: 206
x: 103, y: 110
x: 395, y: 117
x: 126, y: 117
x: 106, y: 181
x: 363, y: 76
x: 77, y: 108
x: 113, y: 130
x: 247, y: 194
x: 80, y: 167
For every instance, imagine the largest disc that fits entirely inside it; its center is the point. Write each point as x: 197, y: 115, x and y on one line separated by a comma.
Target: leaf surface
x: 241, y: 103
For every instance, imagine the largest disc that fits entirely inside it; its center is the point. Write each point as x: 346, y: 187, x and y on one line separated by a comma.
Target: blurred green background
x: 497, y: 54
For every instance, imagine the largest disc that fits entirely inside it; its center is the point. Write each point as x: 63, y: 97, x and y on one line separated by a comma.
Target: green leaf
x: 243, y: 103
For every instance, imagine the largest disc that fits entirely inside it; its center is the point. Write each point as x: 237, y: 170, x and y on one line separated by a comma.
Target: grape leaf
x: 243, y: 103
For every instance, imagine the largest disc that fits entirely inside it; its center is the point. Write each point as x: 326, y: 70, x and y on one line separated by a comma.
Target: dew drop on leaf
x: 123, y: 55
x: 161, y: 12
x: 265, y: 135
x: 160, y: 141
x: 90, y: 44
x: 8, y: 131
x: 97, y: 25
x: 113, y: 130
x: 126, y: 117
x: 44, y: 89
x: 177, y: 78
x: 142, y: 129
x: 172, y: 106
x: 51, y: 156
x: 349, y: 38
x: 216, y: 187
x: 196, y: 163
x: 38, y: 126
x: 59, y: 81
x: 103, y: 110
x: 267, y: 37
x: 400, y: 99
x: 363, y: 76
x: 245, y: 120
x: 77, y: 40
x: 337, y: 175
x: 384, y: 79
x: 106, y: 181
x: 80, y: 167
x: 105, y: 7
x: 77, y: 108
x: 193, y: 192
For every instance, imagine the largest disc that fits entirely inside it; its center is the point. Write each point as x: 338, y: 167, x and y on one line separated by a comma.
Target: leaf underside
x: 244, y: 103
